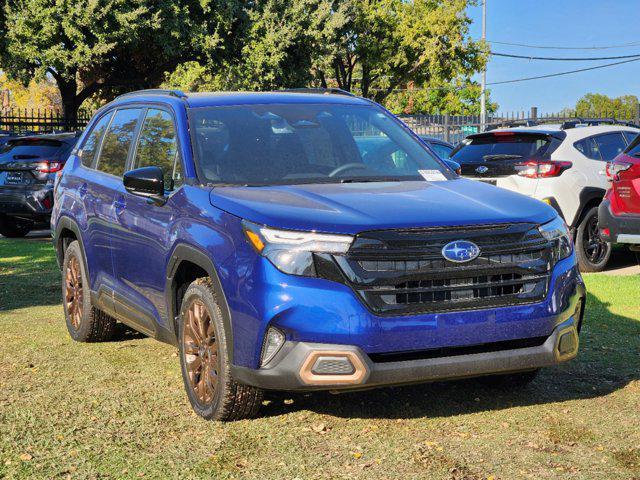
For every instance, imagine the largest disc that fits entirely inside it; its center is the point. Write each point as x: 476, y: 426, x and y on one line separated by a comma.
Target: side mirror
x: 145, y: 182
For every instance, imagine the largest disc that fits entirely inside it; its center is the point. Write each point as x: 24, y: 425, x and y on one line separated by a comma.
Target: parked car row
x: 564, y: 166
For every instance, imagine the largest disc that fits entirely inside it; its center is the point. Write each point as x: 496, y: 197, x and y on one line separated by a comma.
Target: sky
x: 566, y: 23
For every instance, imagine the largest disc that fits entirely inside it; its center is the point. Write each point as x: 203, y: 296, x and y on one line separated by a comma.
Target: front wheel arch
x: 199, y: 265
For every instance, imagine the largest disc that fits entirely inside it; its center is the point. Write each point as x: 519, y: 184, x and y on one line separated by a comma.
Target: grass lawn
x: 118, y: 410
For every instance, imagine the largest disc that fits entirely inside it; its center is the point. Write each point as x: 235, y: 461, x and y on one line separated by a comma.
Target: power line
x: 606, y: 47
x: 578, y: 59
x: 564, y: 73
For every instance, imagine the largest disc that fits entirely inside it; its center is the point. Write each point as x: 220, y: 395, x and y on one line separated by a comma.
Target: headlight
x: 557, y: 230
x: 292, y: 251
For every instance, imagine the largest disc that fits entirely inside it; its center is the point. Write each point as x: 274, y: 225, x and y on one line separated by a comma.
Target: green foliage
x: 460, y: 97
x: 598, y: 105
x: 89, y: 46
x: 371, y: 47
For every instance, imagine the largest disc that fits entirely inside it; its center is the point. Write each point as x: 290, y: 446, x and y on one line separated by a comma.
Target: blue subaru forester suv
x: 302, y: 241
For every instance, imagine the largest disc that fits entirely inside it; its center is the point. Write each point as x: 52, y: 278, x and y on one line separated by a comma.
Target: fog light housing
x: 567, y: 346
x: 273, y: 341
x: 332, y: 365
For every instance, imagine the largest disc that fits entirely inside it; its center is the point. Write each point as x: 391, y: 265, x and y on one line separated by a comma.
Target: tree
x: 598, y: 105
x: 94, y: 46
x: 42, y: 94
x: 386, y: 44
x: 459, y: 97
x: 281, y: 44
x: 371, y: 47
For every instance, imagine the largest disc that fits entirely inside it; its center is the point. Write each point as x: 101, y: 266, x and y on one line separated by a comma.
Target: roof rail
x: 592, y: 122
x: 155, y: 91
x: 323, y: 91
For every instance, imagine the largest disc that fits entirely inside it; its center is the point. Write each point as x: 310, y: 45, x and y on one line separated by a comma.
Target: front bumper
x: 622, y: 228
x: 294, y: 365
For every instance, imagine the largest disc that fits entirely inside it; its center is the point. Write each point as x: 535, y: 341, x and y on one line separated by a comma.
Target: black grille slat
x: 404, y: 272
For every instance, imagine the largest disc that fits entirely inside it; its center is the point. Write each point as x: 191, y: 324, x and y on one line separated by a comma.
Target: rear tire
x: 204, y: 358
x: 14, y: 228
x: 85, y: 323
x: 591, y: 251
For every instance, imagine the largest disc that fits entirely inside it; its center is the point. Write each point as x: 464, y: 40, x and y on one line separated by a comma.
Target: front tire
x: 14, y: 228
x: 204, y: 359
x: 85, y: 323
x: 592, y: 252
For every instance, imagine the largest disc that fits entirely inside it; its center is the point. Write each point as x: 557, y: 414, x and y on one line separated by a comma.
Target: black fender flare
x: 587, y: 195
x: 67, y: 223
x: 183, y: 252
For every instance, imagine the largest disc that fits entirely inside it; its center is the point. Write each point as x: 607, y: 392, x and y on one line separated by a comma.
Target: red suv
x: 619, y: 213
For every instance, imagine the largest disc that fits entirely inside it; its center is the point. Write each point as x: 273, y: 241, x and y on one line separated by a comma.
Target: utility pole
x: 483, y: 93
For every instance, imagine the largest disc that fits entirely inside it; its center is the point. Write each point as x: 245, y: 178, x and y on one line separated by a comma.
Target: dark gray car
x: 28, y: 166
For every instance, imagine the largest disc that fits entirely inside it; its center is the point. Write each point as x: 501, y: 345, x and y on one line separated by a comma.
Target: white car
x: 562, y: 165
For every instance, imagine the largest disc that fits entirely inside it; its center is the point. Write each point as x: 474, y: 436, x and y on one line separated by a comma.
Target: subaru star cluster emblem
x: 482, y: 169
x: 460, y: 251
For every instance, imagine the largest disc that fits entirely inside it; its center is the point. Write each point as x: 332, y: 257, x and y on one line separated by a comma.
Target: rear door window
x: 610, y: 145
x: 91, y: 144
x: 503, y: 146
x: 117, y: 142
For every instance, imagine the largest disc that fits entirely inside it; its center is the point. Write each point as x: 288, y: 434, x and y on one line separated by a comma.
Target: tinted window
x: 305, y: 143
x: 443, y: 151
x: 157, y: 143
x: 610, y: 145
x: 117, y: 140
x: 588, y: 148
x: 25, y: 149
x: 629, y: 136
x: 492, y: 147
x: 91, y: 144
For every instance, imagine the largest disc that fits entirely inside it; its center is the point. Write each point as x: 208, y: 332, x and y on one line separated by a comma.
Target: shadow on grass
x: 608, y: 361
x: 29, y: 276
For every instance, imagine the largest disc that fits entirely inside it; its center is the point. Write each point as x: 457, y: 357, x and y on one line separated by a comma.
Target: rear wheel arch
x: 66, y: 232
x: 186, y: 264
x: 589, y: 197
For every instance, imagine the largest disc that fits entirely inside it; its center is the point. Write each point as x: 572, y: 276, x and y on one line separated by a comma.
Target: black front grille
x: 404, y: 272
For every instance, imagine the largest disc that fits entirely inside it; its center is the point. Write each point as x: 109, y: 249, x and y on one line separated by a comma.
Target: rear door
x: 492, y: 155
x: 143, y: 243
x: 101, y: 189
x: 600, y: 149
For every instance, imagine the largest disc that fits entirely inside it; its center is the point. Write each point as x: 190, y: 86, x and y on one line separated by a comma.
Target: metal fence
x: 25, y: 120
x: 454, y: 128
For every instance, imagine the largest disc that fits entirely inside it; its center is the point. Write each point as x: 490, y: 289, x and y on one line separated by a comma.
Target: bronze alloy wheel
x: 200, y: 351
x: 73, y: 293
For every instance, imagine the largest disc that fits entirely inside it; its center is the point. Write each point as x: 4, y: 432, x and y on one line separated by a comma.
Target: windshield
x: 303, y: 143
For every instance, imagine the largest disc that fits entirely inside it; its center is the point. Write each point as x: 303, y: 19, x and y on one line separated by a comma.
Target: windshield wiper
x: 501, y: 156
x: 371, y: 180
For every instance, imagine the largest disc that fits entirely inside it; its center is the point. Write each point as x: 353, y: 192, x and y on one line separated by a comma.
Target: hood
x: 350, y: 208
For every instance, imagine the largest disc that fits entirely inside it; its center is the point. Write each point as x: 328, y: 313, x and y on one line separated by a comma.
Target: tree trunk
x: 70, y: 104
